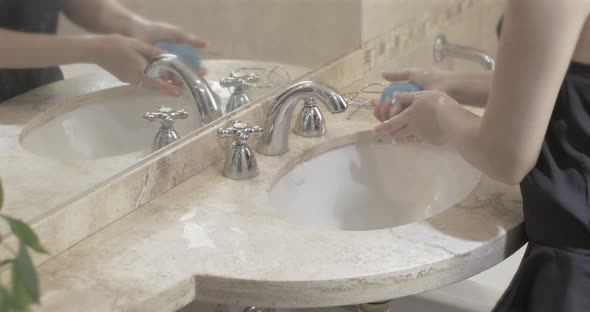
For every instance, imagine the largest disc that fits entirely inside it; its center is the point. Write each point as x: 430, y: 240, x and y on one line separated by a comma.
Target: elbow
x: 512, y: 177
x: 513, y: 171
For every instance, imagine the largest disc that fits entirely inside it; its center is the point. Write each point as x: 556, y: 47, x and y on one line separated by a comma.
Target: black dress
x: 555, y: 272
x: 554, y: 275
x: 33, y: 16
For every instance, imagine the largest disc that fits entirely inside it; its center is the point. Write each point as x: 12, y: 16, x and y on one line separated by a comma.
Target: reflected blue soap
x: 394, y: 87
x: 188, y: 53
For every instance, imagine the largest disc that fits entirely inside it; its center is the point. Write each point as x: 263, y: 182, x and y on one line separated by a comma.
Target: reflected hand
x: 152, y: 32
x: 417, y: 115
x: 126, y: 58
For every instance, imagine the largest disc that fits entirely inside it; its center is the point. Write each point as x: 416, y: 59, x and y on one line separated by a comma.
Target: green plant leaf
x: 25, y: 234
x: 25, y: 276
x: 1, y: 195
x: 6, y: 300
x: 20, y: 298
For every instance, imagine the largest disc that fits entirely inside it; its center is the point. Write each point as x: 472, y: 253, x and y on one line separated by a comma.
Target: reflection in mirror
x: 97, y: 114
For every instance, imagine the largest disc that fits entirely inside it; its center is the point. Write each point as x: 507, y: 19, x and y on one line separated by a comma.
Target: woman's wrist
x: 90, y: 48
x: 450, y: 116
x: 470, y: 88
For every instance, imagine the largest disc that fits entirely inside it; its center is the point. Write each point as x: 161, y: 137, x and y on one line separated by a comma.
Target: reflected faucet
x: 442, y: 49
x: 205, y: 102
x: 274, y: 140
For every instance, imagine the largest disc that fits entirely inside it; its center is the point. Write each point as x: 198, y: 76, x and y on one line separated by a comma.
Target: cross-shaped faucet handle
x: 167, y: 115
x: 240, y: 131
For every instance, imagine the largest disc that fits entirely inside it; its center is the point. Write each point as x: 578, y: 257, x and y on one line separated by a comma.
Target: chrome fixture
x: 362, y: 97
x: 167, y: 134
x: 240, y: 83
x: 310, y: 121
x: 269, y: 77
x: 442, y: 49
x: 206, y: 102
x: 240, y: 161
x: 274, y: 140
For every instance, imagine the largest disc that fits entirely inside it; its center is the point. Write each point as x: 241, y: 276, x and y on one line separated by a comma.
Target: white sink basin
x: 108, y: 124
x: 373, y: 186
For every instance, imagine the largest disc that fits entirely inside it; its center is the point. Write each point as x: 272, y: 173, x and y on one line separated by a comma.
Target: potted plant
x: 22, y: 290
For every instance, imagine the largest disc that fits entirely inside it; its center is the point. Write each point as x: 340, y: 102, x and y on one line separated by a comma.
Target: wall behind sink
x: 300, y: 32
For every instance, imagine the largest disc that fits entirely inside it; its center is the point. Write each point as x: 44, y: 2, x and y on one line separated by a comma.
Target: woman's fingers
x: 193, y: 40
x: 148, y: 51
x: 384, y: 111
x: 375, y: 103
x: 401, y: 75
x: 381, y: 110
x: 178, y: 35
x: 392, y: 125
x: 161, y: 85
x: 405, y: 99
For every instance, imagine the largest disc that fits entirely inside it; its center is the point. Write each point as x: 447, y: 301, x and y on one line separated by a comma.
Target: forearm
x: 471, y: 88
x: 25, y: 50
x: 488, y: 149
x: 101, y: 16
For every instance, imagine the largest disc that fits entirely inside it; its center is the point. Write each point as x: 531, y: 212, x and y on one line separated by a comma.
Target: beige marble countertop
x: 36, y: 185
x: 218, y: 240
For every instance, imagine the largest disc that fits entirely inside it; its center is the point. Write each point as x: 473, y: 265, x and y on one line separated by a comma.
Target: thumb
x: 405, y: 99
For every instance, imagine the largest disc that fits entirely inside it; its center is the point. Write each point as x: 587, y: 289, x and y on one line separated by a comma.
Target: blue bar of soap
x: 394, y: 87
x: 188, y: 53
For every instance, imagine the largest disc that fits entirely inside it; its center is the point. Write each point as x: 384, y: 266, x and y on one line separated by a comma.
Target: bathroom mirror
x: 62, y: 140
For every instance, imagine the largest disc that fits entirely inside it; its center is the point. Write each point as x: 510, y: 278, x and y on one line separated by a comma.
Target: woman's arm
x: 470, y: 88
x: 466, y: 88
x: 27, y: 50
x: 535, y: 50
x: 125, y: 58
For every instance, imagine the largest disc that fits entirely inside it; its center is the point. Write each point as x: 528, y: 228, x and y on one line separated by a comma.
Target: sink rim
x: 361, y: 138
x: 289, y: 289
x: 69, y: 106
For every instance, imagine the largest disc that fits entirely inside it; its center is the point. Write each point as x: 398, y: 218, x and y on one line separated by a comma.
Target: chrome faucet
x: 274, y: 140
x: 239, y: 96
x: 442, y: 49
x: 206, y: 102
x: 166, y: 134
x: 240, y: 161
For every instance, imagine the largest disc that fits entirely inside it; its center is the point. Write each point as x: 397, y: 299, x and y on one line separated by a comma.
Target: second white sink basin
x: 374, y: 186
x: 109, y: 124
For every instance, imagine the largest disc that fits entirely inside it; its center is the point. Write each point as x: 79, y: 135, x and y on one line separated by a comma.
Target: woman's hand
x: 426, y: 79
x: 467, y: 88
x: 152, y: 32
x: 127, y: 58
x: 418, y: 115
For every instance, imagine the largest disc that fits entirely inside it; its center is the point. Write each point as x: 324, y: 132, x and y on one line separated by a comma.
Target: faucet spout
x: 204, y: 99
x: 442, y: 49
x: 274, y: 140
